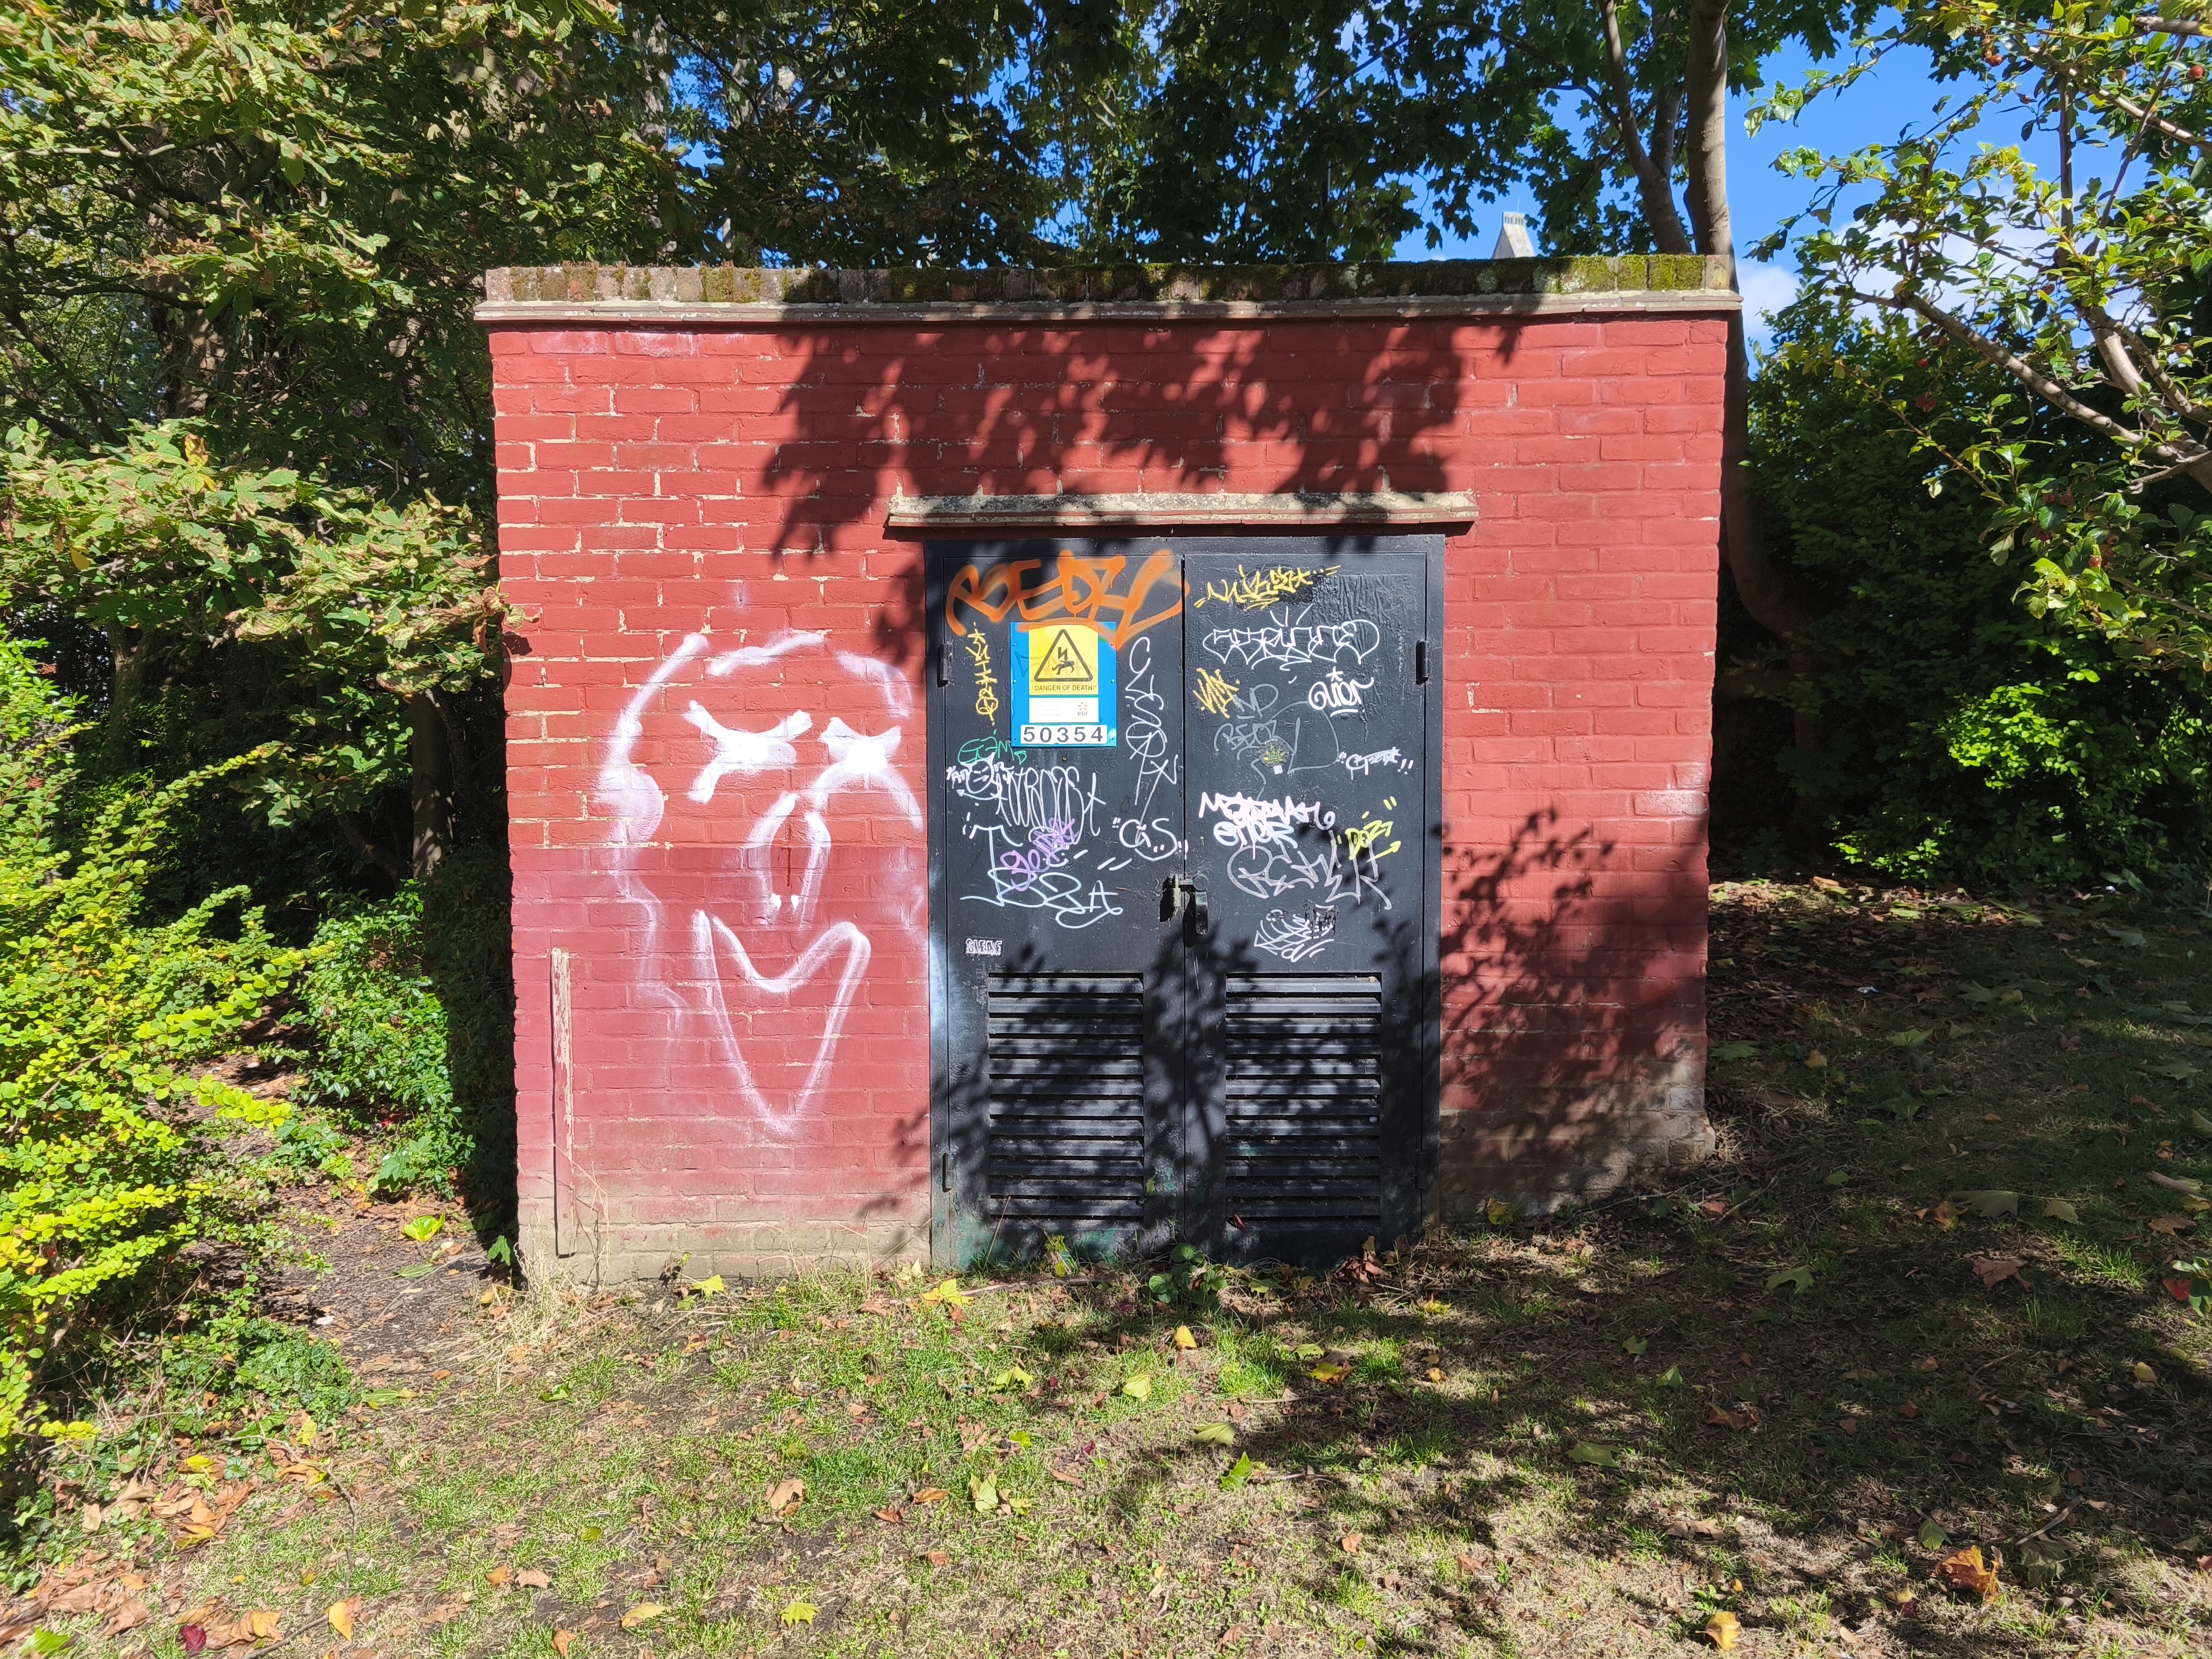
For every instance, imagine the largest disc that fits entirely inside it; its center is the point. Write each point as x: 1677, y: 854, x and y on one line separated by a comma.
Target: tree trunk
x: 126, y: 681
x: 1778, y: 600
x: 430, y: 762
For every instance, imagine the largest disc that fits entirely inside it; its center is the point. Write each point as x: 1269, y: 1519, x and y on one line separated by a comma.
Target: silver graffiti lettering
x: 1284, y: 644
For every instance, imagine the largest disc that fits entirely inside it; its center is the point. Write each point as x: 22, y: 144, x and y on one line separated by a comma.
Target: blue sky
x: 1898, y: 95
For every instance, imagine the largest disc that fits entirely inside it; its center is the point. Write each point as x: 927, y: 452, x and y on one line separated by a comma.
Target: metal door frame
x: 1404, y: 1210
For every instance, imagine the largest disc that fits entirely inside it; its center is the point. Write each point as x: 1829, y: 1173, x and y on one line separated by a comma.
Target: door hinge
x: 1420, y: 663
x: 943, y: 676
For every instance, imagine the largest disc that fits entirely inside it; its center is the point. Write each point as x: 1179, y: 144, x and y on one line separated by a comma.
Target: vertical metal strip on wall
x: 564, y: 1126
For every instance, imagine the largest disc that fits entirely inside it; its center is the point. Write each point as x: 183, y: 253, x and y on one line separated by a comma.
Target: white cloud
x: 1767, y: 287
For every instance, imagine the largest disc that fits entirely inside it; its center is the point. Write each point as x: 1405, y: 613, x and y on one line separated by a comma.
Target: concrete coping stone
x: 732, y: 294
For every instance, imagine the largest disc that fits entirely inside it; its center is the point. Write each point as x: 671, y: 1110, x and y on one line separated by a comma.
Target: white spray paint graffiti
x: 1285, y: 644
x: 1298, y: 935
x: 1268, y: 857
x: 728, y: 939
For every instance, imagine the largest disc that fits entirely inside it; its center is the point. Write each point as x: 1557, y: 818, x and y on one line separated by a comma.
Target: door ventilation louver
x: 1304, y: 1108
x: 1067, y: 1068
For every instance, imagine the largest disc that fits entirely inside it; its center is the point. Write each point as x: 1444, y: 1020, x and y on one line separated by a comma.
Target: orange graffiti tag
x: 1078, y: 590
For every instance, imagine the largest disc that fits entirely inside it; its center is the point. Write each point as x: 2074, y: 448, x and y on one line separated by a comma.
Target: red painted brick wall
x: 683, y: 509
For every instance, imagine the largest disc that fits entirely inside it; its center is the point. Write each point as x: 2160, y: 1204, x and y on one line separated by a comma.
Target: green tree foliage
x: 1334, y: 128
x: 1957, y: 737
x: 355, y: 610
x: 2085, y: 293
x: 104, y: 1128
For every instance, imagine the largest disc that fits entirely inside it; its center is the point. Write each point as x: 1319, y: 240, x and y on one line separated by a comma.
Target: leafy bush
x: 1958, y: 737
x: 381, y: 1061
x: 104, y: 1129
x: 412, y: 1001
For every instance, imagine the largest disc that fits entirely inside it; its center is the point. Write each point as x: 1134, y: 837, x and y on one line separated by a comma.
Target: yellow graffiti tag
x: 1213, y: 693
x: 987, y: 683
x: 1258, y: 590
x: 1360, y: 839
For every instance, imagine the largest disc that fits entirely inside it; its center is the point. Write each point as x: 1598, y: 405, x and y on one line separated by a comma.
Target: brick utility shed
x: 1173, y: 753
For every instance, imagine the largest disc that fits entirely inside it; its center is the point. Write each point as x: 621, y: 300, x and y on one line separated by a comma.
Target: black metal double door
x: 1182, y: 827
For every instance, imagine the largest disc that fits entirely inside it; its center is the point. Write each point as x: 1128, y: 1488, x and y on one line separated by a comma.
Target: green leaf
x: 1670, y: 1378
x: 1590, y: 1452
x: 420, y: 1270
x: 1836, y: 1178
x: 1636, y: 1344
x: 983, y: 1492
x: 1912, y: 1039
x: 1013, y: 1377
x: 1799, y: 1280
x: 1139, y: 1388
x: 2201, y: 1123
x: 1240, y: 1472
x: 1931, y: 1536
x: 2058, y: 1209
x: 1990, y: 1202
x: 2179, y: 1070
x: 1734, y: 1051
x: 1214, y: 1434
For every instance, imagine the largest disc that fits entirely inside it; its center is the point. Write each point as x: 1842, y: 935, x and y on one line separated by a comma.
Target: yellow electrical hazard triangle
x: 1066, y: 664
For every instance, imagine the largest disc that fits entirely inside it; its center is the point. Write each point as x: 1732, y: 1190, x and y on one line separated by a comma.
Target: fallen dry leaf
x: 499, y: 1575
x: 1908, y: 1410
x: 1964, y: 1571
x: 1994, y: 1270
x: 1722, y: 1630
x: 532, y: 1578
x: 261, y: 1624
x: 1183, y: 1338
x: 931, y: 1495
x: 936, y: 1558
x: 644, y: 1614
x: 787, y: 1495
x: 1468, y: 1564
x: 891, y: 1516
x: 1349, y: 1543
x: 342, y: 1615
x: 1720, y: 1420
x: 130, y: 1614
x: 563, y: 1641
x: 2171, y: 1225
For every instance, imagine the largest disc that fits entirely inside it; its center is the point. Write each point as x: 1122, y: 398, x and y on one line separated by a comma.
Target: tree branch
x: 1656, y: 189
x: 2152, y: 23
x: 2041, y: 384
x: 1707, y: 85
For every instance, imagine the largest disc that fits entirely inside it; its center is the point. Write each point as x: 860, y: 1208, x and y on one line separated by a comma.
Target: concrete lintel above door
x: 1164, y: 512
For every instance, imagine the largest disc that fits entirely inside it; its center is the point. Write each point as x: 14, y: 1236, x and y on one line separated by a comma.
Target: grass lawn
x: 1919, y: 1302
